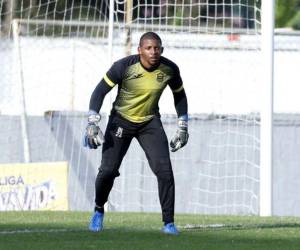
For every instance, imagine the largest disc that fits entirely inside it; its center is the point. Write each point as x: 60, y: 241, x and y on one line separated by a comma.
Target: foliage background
x: 287, y: 11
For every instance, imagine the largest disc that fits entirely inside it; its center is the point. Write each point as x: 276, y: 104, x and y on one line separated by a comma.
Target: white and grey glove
x: 93, y: 137
x: 181, y: 136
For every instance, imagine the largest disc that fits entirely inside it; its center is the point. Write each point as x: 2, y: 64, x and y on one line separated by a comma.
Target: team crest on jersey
x: 160, y: 77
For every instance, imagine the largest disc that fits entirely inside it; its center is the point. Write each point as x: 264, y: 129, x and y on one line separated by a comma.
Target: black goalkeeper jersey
x: 139, y: 89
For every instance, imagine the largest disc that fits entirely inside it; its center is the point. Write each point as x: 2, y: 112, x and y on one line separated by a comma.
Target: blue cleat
x: 96, y: 224
x: 170, y: 228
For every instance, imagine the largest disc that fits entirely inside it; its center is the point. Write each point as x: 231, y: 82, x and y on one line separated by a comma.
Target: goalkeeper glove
x: 93, y: 135
x: 181, y: 136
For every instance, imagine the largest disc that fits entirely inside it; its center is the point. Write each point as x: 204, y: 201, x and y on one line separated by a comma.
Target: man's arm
x: 98, y: 95
x: 180, y: 99
x: 180, y: 102
x: 113, y: 77
x: 93, y: 136
x: 181, y: 136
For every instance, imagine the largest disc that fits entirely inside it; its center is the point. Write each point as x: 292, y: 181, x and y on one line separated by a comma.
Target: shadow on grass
x: 41, y: 236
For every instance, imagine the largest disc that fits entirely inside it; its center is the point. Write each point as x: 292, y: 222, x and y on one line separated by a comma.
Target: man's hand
x: 181, y: 137
x: 93, y: 135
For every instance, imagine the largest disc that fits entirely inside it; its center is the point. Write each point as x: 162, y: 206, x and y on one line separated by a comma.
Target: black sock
x: 167, y: 222
x: 99, y: 209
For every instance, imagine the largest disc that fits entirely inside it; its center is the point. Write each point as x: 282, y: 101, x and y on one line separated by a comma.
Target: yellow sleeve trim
x: 108, y: 81
x: 178, y: 90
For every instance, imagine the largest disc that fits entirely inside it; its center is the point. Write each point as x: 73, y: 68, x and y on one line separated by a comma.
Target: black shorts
x: 150, y: 135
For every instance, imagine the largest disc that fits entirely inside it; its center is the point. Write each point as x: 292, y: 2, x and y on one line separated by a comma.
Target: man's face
x: 150, y: 51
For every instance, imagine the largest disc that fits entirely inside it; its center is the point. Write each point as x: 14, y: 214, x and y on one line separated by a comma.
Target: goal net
x: 53, y: 54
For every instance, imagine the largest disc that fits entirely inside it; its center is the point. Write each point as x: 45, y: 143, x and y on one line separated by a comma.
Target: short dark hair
x: 150, y: 35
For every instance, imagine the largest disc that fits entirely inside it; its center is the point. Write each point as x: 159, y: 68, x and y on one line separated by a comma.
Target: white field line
x: 198, y: 226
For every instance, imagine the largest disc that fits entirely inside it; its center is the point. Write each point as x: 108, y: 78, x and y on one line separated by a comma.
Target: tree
x: 285, y: 11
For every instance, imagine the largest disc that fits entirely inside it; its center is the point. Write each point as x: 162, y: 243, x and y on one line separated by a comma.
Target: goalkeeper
x: 141, y: 80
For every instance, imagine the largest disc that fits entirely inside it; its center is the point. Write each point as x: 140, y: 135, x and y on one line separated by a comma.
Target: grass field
x: 68, y: 230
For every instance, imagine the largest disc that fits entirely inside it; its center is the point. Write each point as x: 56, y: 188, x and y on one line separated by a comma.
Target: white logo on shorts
x: 119, y: 132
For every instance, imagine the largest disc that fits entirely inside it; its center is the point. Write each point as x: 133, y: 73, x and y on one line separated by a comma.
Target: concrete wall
x: 216, y: 173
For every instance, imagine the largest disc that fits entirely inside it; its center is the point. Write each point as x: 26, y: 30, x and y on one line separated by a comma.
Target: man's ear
x: 139, y: 50
x: 161, y: 50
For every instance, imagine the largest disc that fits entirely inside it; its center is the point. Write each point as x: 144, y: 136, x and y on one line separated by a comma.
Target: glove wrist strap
x: 93, y: 117
x: 183, y: 122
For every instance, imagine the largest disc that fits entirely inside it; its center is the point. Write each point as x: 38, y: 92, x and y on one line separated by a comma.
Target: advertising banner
x: 34, y: 186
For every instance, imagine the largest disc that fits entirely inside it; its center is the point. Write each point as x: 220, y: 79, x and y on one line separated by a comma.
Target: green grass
x: 68, y: 230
